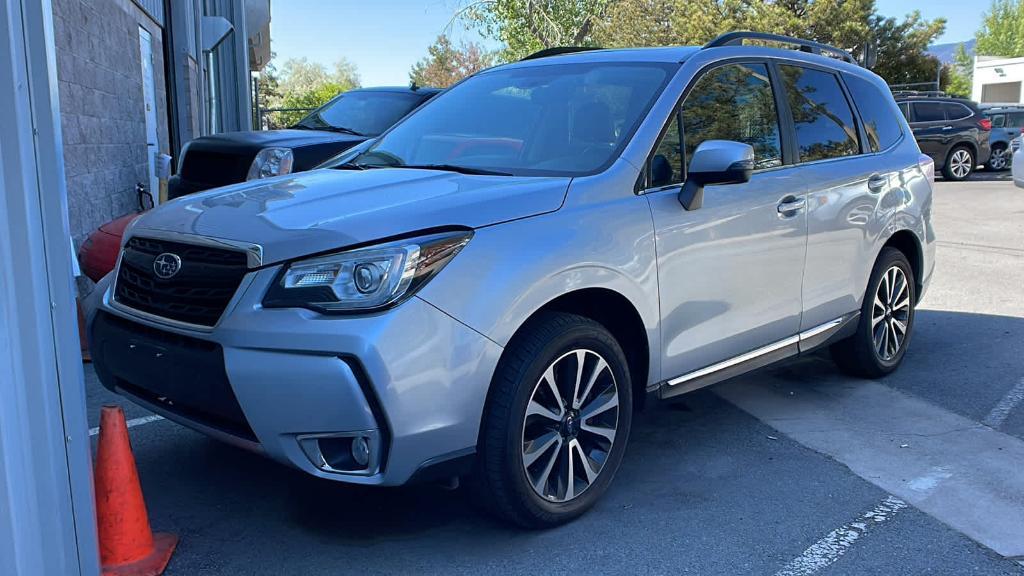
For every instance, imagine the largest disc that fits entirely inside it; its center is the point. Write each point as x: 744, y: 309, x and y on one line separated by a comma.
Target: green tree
x: 446, y: 64
x: 526, y: 26
x: 961, y: 73
x: 1002, y: 30
x: 304, y: 85
x: 902, y: 48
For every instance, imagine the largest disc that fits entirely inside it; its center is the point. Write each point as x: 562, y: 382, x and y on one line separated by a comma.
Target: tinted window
x: 823, y: 119
x: 1015, y: 120
x: 956, y: 111
x: 734, y: 102
x: 876, y: 111
x: 558, y: 119
x: 929, y: 112
x: 667, y: 162
x: 998, y: 120
x: 368, y: 113
x: 905, y: 108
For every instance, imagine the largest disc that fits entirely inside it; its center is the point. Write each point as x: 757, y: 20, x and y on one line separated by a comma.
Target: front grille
x: 197, y: 294
x: 216, y: 168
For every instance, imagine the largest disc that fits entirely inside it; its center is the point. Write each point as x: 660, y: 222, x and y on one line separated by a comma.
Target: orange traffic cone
x: 127, y: 545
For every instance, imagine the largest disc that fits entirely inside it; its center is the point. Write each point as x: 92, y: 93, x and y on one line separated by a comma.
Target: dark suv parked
x: 1007, y: 124
x: 347, y: 120
x: 953, y: 131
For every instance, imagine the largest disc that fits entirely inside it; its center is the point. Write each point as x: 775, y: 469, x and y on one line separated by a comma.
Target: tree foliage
x: 528, y: 25
x: 303, y: 85
x: 1002, y: 30
x: 446, y: 64
x: 961, y: 73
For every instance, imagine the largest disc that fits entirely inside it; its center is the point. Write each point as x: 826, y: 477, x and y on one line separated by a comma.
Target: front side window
x: 734, y: 102
x: 821, y: 114
x: 876, y: 112
x: 555, y: 119
x: 929, y: 112
x: 667, y: 163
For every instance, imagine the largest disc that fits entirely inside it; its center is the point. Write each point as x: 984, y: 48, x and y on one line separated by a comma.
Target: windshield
x: 565, y: 120
x: 366, y: 113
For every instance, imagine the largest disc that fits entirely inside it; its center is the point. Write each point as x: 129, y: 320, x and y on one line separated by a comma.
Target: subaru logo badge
x: 166, y: 265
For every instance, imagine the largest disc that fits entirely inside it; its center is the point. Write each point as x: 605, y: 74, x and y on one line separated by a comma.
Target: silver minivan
x: 493, y: 288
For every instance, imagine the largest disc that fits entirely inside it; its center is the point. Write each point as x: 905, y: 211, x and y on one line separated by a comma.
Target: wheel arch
x: 619, y: 316
x: 910, y: 245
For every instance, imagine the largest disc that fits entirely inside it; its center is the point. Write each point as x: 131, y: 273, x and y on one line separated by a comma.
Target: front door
x: 729, y: 272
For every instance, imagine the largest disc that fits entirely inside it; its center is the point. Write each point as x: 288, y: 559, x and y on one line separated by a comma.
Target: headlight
x: 271, y: 162
x: 364, y: 279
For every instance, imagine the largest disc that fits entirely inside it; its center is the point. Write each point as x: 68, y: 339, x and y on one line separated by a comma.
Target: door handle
x: 947, y: 127
x: 790, y: 205
x: 877, y: 182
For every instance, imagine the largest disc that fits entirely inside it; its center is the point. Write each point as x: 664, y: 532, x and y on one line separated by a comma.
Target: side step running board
x: 798, y: 344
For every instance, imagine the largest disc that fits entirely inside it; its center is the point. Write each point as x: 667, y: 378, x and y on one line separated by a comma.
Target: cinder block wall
x: 99, y: 74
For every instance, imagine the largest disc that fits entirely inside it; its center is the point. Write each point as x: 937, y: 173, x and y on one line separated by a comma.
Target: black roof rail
x: 557, y: 50
x: 737, y: 38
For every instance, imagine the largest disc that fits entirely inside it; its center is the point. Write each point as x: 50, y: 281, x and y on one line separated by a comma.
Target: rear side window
x: 956, y: 111
x: 821, y: 114
x: 1015, y: 120
x: 929, y: 112
x: 876, y: 112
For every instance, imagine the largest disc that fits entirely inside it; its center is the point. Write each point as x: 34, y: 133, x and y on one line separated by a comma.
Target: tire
x: 1000, y: 158
x: 861, y: 354
x: 501, y: 483
x: 960, y: 163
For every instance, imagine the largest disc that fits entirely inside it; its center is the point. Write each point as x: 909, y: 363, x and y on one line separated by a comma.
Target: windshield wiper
x: 342, y: 129
x: 453, y: 168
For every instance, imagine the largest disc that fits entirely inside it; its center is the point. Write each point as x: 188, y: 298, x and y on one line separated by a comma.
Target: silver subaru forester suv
x: 493, y: 287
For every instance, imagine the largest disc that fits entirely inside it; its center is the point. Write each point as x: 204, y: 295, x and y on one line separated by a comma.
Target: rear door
x: 850, y: 170
x: 931, y: 129
x: 729, y: 272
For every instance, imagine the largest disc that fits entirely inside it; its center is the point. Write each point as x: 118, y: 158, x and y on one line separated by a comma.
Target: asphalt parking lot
x: 794, y: 469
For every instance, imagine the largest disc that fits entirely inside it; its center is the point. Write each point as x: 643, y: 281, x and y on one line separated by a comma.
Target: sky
x: 384, y: 38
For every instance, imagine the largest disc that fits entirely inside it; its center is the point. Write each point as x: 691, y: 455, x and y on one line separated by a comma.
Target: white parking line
x: 998, y: 414
x: 131, y: 423
x: 827, y: 550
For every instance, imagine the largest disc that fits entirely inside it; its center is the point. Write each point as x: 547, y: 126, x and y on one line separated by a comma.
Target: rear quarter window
x: 956, y: 111
x: 877, y: 112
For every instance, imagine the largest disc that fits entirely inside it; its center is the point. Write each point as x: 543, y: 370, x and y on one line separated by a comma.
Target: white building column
x: 47, y: 514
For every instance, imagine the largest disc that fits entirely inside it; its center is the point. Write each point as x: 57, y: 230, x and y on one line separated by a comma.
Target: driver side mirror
x: 716, y: 162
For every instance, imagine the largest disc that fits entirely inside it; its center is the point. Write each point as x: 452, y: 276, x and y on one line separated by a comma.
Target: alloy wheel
x: 1000, y: 159
x: 960, y: 164
x: 890, y: 314
x: 570, y: 425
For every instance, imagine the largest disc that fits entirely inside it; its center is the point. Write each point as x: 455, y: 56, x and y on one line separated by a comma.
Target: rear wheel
x: 1000, y: 158
x: 886, y: 320
x: 556, y: 422
x: 959, y: 164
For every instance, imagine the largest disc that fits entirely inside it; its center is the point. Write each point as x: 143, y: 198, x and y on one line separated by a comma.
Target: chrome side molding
x: 757, y: 358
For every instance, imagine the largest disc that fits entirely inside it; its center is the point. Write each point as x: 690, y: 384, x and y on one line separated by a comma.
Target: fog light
x: 361, y: 450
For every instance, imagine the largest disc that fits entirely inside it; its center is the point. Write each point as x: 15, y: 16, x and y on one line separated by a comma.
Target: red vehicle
x: 98, y: 254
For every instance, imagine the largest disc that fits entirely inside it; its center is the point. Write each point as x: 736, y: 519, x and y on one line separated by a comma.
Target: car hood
x: 246, y: 142
x: 321, y: 210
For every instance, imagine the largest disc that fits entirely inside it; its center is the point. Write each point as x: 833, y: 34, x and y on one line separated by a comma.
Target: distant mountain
x: 945, y: 52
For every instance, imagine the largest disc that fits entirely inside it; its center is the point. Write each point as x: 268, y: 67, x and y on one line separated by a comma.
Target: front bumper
x: 412, y: 377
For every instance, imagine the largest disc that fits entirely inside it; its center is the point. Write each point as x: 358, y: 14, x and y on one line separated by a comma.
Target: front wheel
x: 959, y: 164
x: 556, y: 422
x: 886, y: 320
